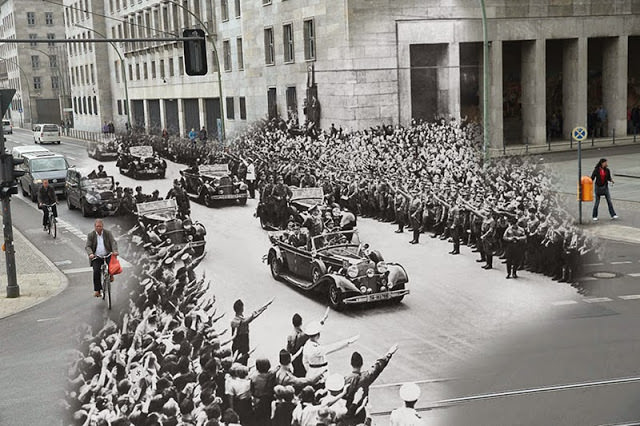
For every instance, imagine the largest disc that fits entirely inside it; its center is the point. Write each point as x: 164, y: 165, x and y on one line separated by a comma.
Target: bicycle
x: 105, y: 279
x: 51, y: 220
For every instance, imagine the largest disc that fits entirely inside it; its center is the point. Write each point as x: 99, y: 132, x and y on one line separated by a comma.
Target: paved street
x: 462, y: 331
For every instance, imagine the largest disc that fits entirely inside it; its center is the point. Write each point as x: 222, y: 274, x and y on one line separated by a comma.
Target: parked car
x: 7, y: 128
x: 41, y: 165
x: 93, y: 196
x: 140, y: 161
x: 103, y: 150
x: 213, y: 183
x: 46, y: 133
x: 160, y: 223
x: 337, y: 265
x: 19, y: 151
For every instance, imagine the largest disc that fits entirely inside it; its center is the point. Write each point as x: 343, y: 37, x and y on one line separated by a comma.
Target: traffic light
x: 9, y: 175
x: 195, y: 52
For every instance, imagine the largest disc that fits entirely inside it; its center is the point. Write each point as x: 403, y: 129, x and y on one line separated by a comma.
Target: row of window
x: 55, y: 82
x: 81, y: 48
x: 86, y: 105
x: 230, y: 108
x: 50, y: 36
x: 83, y: 75
x: 32, y: 21
x: 224, y: 6
x: 79, y: 11
x: 35, y: 62
x: 309, y: 33
x: 141, y: 70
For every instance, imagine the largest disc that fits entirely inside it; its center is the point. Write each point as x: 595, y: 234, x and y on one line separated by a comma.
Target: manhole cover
x: 604, y: 275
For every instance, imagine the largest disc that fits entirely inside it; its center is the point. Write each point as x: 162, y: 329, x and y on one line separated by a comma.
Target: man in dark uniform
x: 347, y: 223
x: 182, y: 199
x: 266, y: 201
x: 140, y: 197
x: 101, y: 172
x: 313, y: 222
x: 281, y: 194
x: 240, y: 329
x: 456, y: 226
x: 47, y: 196
x: 415, y: 215
x: 487, y: 238
x: 308, y: 181
x: 514, y: 238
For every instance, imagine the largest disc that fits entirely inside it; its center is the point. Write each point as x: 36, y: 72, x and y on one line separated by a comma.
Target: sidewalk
x: 39, y: 279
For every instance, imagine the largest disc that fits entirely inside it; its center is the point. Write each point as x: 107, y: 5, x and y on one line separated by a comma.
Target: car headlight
x: 381, y: 267
x: 37, y: 181
x: 390, y: 284
x: 220, y: 191
x: 92, y: 199
x: 383, y: 288
x: 187, y: 224
x: 352, y: 271
x: 370, y: 273
x: 237, y: 191
x: 162, y: 228
x: 363, y: 289
x: 244, y: 187
x: 369, y: 290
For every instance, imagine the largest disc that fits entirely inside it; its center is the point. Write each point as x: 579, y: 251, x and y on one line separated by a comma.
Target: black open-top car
x: 103, y: 150
x: 302, y: 199
x: 141, y: 162
x: 160, y: 223
x: 93, y: 196
x: 336, y: 264
x: 213, y: 183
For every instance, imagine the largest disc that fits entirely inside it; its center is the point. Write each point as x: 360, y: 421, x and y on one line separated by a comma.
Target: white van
x: 46, y: 133
x: 7, y: 128
x: 19, y: 151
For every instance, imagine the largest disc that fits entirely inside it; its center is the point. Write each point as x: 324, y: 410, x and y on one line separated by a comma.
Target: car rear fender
x: 320, y: 264
x: 343, y: 283
x: 397, y: 274
x: 275, y: 252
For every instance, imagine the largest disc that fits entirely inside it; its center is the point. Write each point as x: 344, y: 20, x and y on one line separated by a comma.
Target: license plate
x: 227, y: 196
x: 380, y: 296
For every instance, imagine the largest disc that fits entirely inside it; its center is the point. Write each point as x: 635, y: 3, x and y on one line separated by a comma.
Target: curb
x: 64, y: 280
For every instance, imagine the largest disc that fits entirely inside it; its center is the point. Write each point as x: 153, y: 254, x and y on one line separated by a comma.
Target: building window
x: 269, y: 54
x: 224, y: 6
x: 161, y: 68
x: 240, y: 53
x: 75, y: 105
x: 119, y: 102
x: 230, y: 109
x: 309, y: 40
x: 116, y: 68
x: 153, y: 69
x: 266, y: 2
x: 292, y: 103
x: 84, y: 104
x: 35, y: 62
x: 51, y: 37
x: 48, y: 18
x: 137, y: 71
x: 33, y: 37
x: 243, y: 108
x: 181, y: 65
x: 53, y: 61
x: 288, y: 43
x: 95, y: 105
x: 37, y: 84
x: 90, y: 106
x: 238, y: 12
x: 145, y: 71
x: 31, y: 18
x: 93, y: 77
x: 226, y: 55
x: 171, y: 68
x: 130, y: 72
x: 55, y: 84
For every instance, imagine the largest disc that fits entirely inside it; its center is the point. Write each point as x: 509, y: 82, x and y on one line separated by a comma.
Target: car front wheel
x: 276, y: 267
x: 69, y: 205
x: 335, y: 297
x: 83, y: 209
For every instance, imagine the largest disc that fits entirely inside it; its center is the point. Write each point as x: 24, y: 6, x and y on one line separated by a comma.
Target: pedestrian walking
x: 601, y: 177
x: 193, y: 135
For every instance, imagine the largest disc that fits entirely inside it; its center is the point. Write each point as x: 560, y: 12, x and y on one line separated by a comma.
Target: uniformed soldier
x: 140, y: 197
x: 280, y: 194
x: 240, y: 329
x: 296, y: 237
x: 407, y: 415
x: 514, y: 238
x: 400, y: 202
x: 181, y: 197
x: 314, y: 223
x: 314, y: 355
x: 487, y: 237
x: 456, y: 226
x: 308, y: 180
x: 415, y: 215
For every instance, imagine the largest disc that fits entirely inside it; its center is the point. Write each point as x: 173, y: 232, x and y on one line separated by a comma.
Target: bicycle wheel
x: 55, y: 228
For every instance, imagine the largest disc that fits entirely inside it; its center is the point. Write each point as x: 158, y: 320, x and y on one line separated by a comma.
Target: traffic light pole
x: 13, y: 290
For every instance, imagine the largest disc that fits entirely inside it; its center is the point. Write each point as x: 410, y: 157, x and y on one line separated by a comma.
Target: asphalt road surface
x: 462, y: 331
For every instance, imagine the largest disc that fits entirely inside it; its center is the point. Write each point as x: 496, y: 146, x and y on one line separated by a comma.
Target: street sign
x: 579, y: 134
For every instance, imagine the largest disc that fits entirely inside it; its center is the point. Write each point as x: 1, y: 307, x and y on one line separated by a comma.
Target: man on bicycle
x: 47, y: 196
x: 100, y: 243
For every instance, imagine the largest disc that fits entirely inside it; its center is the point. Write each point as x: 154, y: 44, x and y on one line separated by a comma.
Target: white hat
x: 409, y: 392
x: 313, y: 328
x: 335, y: 383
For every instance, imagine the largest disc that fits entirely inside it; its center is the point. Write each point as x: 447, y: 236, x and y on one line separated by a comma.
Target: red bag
x: 114, y: 266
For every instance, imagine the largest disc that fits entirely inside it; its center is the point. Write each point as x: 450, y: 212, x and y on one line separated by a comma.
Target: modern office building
x: 37, y: 70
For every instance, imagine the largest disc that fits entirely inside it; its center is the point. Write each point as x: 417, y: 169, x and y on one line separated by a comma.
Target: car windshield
x: 345, y: 243
x: 48, y: 164
x: 50, y: 128
x: 99, y: 184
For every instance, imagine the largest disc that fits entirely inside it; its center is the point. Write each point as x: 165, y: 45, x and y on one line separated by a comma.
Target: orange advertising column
x: 587, y: 188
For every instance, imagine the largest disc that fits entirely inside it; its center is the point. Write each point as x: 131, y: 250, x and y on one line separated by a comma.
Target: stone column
x: 454, y: 80
x: 163, y: 115
x: 496, y: 136
x: 614, y: 83
x: 533, y: 92
x: 574, y: 85
x: 147, y: 120
x: 202, y: 112
x: 181, y: 124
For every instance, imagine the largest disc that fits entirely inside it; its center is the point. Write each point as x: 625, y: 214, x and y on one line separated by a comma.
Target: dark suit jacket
x: 110, y: 243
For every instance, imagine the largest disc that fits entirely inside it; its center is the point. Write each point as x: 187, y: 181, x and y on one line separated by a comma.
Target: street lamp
x: 215, y: 57
x: 123, y: 71
x: 485, y: 85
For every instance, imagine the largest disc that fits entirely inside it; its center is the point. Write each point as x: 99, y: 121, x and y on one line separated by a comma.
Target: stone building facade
x: 36, y: 70
x: 552, y: 63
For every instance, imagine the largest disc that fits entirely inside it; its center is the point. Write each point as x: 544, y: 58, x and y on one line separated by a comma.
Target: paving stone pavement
x: 39, y: 279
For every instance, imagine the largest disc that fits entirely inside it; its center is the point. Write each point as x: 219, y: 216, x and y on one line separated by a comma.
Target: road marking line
x: 597, y: 300
x: 630, y: 297
x: 636, y: 274
x: 622, y: 262
x: 62, y: 262
x: 565, y: 302
x: 554, y: 388
x: 388, y: 385
x: 77, y: 270
x: 48, y: 319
